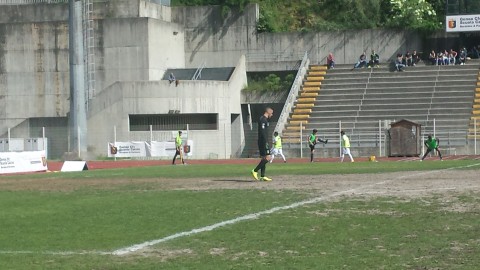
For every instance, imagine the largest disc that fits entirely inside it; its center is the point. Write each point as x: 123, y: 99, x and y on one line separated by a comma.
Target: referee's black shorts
x: 263, y: 149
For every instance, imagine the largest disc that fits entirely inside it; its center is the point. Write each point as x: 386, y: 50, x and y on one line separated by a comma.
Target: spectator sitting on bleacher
x: 374, y: 59
x: 432, y: 57
x: 446, y: 59
x: 463, y: 56
x: 171, y: 78
x: 415, y: 57
x: 362, y: 61
x: 408, y: 59
x: 452, y: 55
x: 440, y: 58
x: 330, y: 61
x: 399, y: 66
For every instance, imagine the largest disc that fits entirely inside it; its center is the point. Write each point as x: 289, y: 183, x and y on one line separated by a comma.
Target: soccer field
x: 385, y: 215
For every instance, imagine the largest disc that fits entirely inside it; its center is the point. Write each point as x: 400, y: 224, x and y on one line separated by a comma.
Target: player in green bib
x: 312, y: 141
x: 277, y: 147
x: 178, y: 148
x: 432, y: 144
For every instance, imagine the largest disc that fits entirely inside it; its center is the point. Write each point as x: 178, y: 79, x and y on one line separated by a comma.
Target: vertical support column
x: 475, y: 134
x: 151, y: 133
x: 340, y: 138
x: 301, y: 140
x: 115, y: 139
x: 78, y: 114
x: 380, y: 138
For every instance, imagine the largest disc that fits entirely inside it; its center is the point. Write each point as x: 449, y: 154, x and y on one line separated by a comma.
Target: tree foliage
x: 317, y: 15
x: 413, y: 14
x: 270, y: 83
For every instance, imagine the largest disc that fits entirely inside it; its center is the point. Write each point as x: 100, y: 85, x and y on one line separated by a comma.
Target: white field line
x: 133, y: 248
x: 409, y: 159
x: 405, y: 191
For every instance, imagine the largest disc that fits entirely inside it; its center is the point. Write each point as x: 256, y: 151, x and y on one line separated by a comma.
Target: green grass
x: 348, y: 233
x: 243, y: 171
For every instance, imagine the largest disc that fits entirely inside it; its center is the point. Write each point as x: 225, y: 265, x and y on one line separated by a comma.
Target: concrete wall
x: 34, y: 64
x: 166, y: 48
x: 113, y: 106
x: 221, y: 41
x: 34, y: 72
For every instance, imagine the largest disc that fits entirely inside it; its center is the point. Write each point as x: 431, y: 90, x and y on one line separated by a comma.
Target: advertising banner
x: 147, y: 149
x: 127, y: 149
x: 18, y: 162
x: 463, y: 23
x: 162, y: 149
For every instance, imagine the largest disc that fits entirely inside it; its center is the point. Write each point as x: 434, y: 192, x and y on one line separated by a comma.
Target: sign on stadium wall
x: 146, y: 149
x: 463, y: 23
x: 19, y: 162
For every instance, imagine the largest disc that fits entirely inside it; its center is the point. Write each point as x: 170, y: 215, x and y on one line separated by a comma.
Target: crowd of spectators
x: 410, y: 59
x: 448, y: 57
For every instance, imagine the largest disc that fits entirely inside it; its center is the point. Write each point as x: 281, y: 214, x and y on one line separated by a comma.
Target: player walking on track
x: 277, y: 147
x: 263, y: 147
x: 312, y: 141
x: 179, y: 150
x: 345, y: 146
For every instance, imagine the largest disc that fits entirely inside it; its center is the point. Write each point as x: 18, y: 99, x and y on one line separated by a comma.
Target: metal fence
x: 375, y: 135
x: 375, y: 139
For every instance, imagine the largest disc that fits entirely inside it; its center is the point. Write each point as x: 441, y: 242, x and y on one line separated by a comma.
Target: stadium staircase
x: 304, y: 104
x: 361, y: 101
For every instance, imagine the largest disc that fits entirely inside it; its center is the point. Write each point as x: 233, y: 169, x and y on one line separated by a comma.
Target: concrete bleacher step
x: 300, y: 116
x: 292, y: 128
x: 317, y: 68
x: 305, y: 105
x: 297, y: 122
x: 308, y: 94
x: 340, y: 107
x: 312, y: 78
x: 311, y: 89
x: 316, y: 73
x: 306, y: 100
x: 302, y: 111
x: 361, y: 99
x: 312, y: 84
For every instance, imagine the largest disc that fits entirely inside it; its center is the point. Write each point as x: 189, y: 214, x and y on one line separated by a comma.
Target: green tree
x: 413, y: 14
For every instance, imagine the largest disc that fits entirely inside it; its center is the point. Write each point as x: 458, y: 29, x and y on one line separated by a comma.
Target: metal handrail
x: 198, y: 72
x: 292, y: 96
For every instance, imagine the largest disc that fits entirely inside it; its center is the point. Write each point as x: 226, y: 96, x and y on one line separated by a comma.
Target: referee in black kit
x: 263, y: 146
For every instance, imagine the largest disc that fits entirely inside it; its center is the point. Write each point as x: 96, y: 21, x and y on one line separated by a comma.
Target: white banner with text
x: 463, y: 23
x: 19, y: 162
